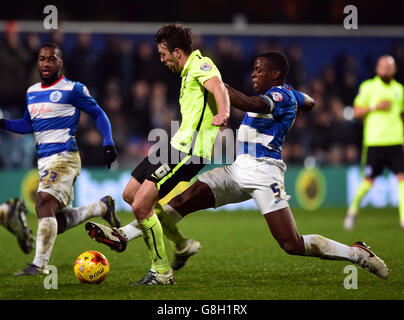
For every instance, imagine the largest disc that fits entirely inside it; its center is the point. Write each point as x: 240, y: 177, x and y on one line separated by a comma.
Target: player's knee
x: 46, y: 205
x: 293, y: 247
x: 40, y: 205
x: 177, y: 201
x: 127, y: 197
x: 140, y: 211
x: 62, y: 222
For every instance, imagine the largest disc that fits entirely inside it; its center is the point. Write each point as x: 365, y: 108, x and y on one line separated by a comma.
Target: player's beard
x: 386, y: 79
x: 51, y: 79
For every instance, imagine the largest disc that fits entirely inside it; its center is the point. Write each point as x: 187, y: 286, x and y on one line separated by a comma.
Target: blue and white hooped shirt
x: 262, y: 135
x: 53, y: 113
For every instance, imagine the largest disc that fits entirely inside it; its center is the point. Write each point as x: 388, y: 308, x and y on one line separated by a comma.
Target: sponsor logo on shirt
x: 36, y: 110
x: 276, y: 96
x: 206, y: 66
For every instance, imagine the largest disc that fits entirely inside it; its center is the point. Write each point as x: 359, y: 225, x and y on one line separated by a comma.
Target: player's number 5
x: 276, y: 190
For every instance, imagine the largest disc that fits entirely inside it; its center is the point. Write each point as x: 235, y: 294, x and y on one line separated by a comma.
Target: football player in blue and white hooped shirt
x: 52, y: 115
x: 258, y: 171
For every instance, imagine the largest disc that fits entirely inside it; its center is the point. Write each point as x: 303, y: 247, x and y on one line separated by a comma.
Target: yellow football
x: 91, y: 267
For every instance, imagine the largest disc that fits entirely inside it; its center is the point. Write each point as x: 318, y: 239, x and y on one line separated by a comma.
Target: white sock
x: 174, y: 214
x: 4, y: 213
x: 318, y: 246
x: 132, y: 230
x: 45, y: 239
x: 75, y: 216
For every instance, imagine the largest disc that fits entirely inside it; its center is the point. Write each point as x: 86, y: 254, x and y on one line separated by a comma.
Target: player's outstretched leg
x: 71, y: 217
x: 13, y: 217
x: 191, y: 247
x: 283, y: 228
x: 113, y: 238
x: 359, y: 253
x: 109, y: 215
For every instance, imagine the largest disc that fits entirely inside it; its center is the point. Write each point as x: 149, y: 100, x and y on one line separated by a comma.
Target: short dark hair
x: 51, y: 45
x: 277, y: 60
x: 174, y: 36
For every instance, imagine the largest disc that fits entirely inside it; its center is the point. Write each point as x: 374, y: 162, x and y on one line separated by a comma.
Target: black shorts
x: 378, y: 158
x: 167, y: 173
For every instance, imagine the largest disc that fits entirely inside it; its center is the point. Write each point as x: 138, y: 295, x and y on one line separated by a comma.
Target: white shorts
x: 247, y: 177
x: 58, y: 173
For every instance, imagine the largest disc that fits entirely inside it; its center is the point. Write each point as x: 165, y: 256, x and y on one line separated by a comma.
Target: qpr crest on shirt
x: 55, y: 96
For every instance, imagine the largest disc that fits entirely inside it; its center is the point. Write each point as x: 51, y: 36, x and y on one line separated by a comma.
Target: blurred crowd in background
x: 138, y: 93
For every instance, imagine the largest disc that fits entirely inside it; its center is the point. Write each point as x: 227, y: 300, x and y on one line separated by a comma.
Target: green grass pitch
x: 239, y: 261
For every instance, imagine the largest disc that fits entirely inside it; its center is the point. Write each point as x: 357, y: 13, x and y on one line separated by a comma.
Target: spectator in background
x: 335, y: 155
x: 112, y: 105
x: 89, y: 144
x: 296, y: 75
x: 127, y: 64
x: 398, y: 54
x: 345, y: 63
x: 135, y: 151
x: 162, y: 113
x: 32, y: 43
x: 15, y: 150
x: 88, y: 137
x: 330, y: 82
x: 146, y: 62
x: 341, y: 132
x: 82, y: 62
x: 109, y: 64
x: 348, y: 88
x: 14, y: 59
x: 321, y: 134
x: 137, y: 108
x: 317, y: 89
x: 57, y: 36
x: 351, y: 155
x: 298, y: 141
x: 230, y: 61
x: 147, y: 67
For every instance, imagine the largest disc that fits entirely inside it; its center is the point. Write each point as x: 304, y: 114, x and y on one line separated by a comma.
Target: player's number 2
x: 49, y: 176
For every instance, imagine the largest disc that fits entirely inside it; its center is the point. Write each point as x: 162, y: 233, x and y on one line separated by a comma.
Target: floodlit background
x: 109, y: 47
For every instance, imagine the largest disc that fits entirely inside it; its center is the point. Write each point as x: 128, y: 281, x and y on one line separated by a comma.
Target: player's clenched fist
x: 110, y: 155
x: 220, y: 119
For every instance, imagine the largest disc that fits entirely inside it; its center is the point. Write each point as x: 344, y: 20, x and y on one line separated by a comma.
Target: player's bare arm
x: 361, y: 112
x: 217, y: 88
x: 308, y: 104
x: 246, y: 103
